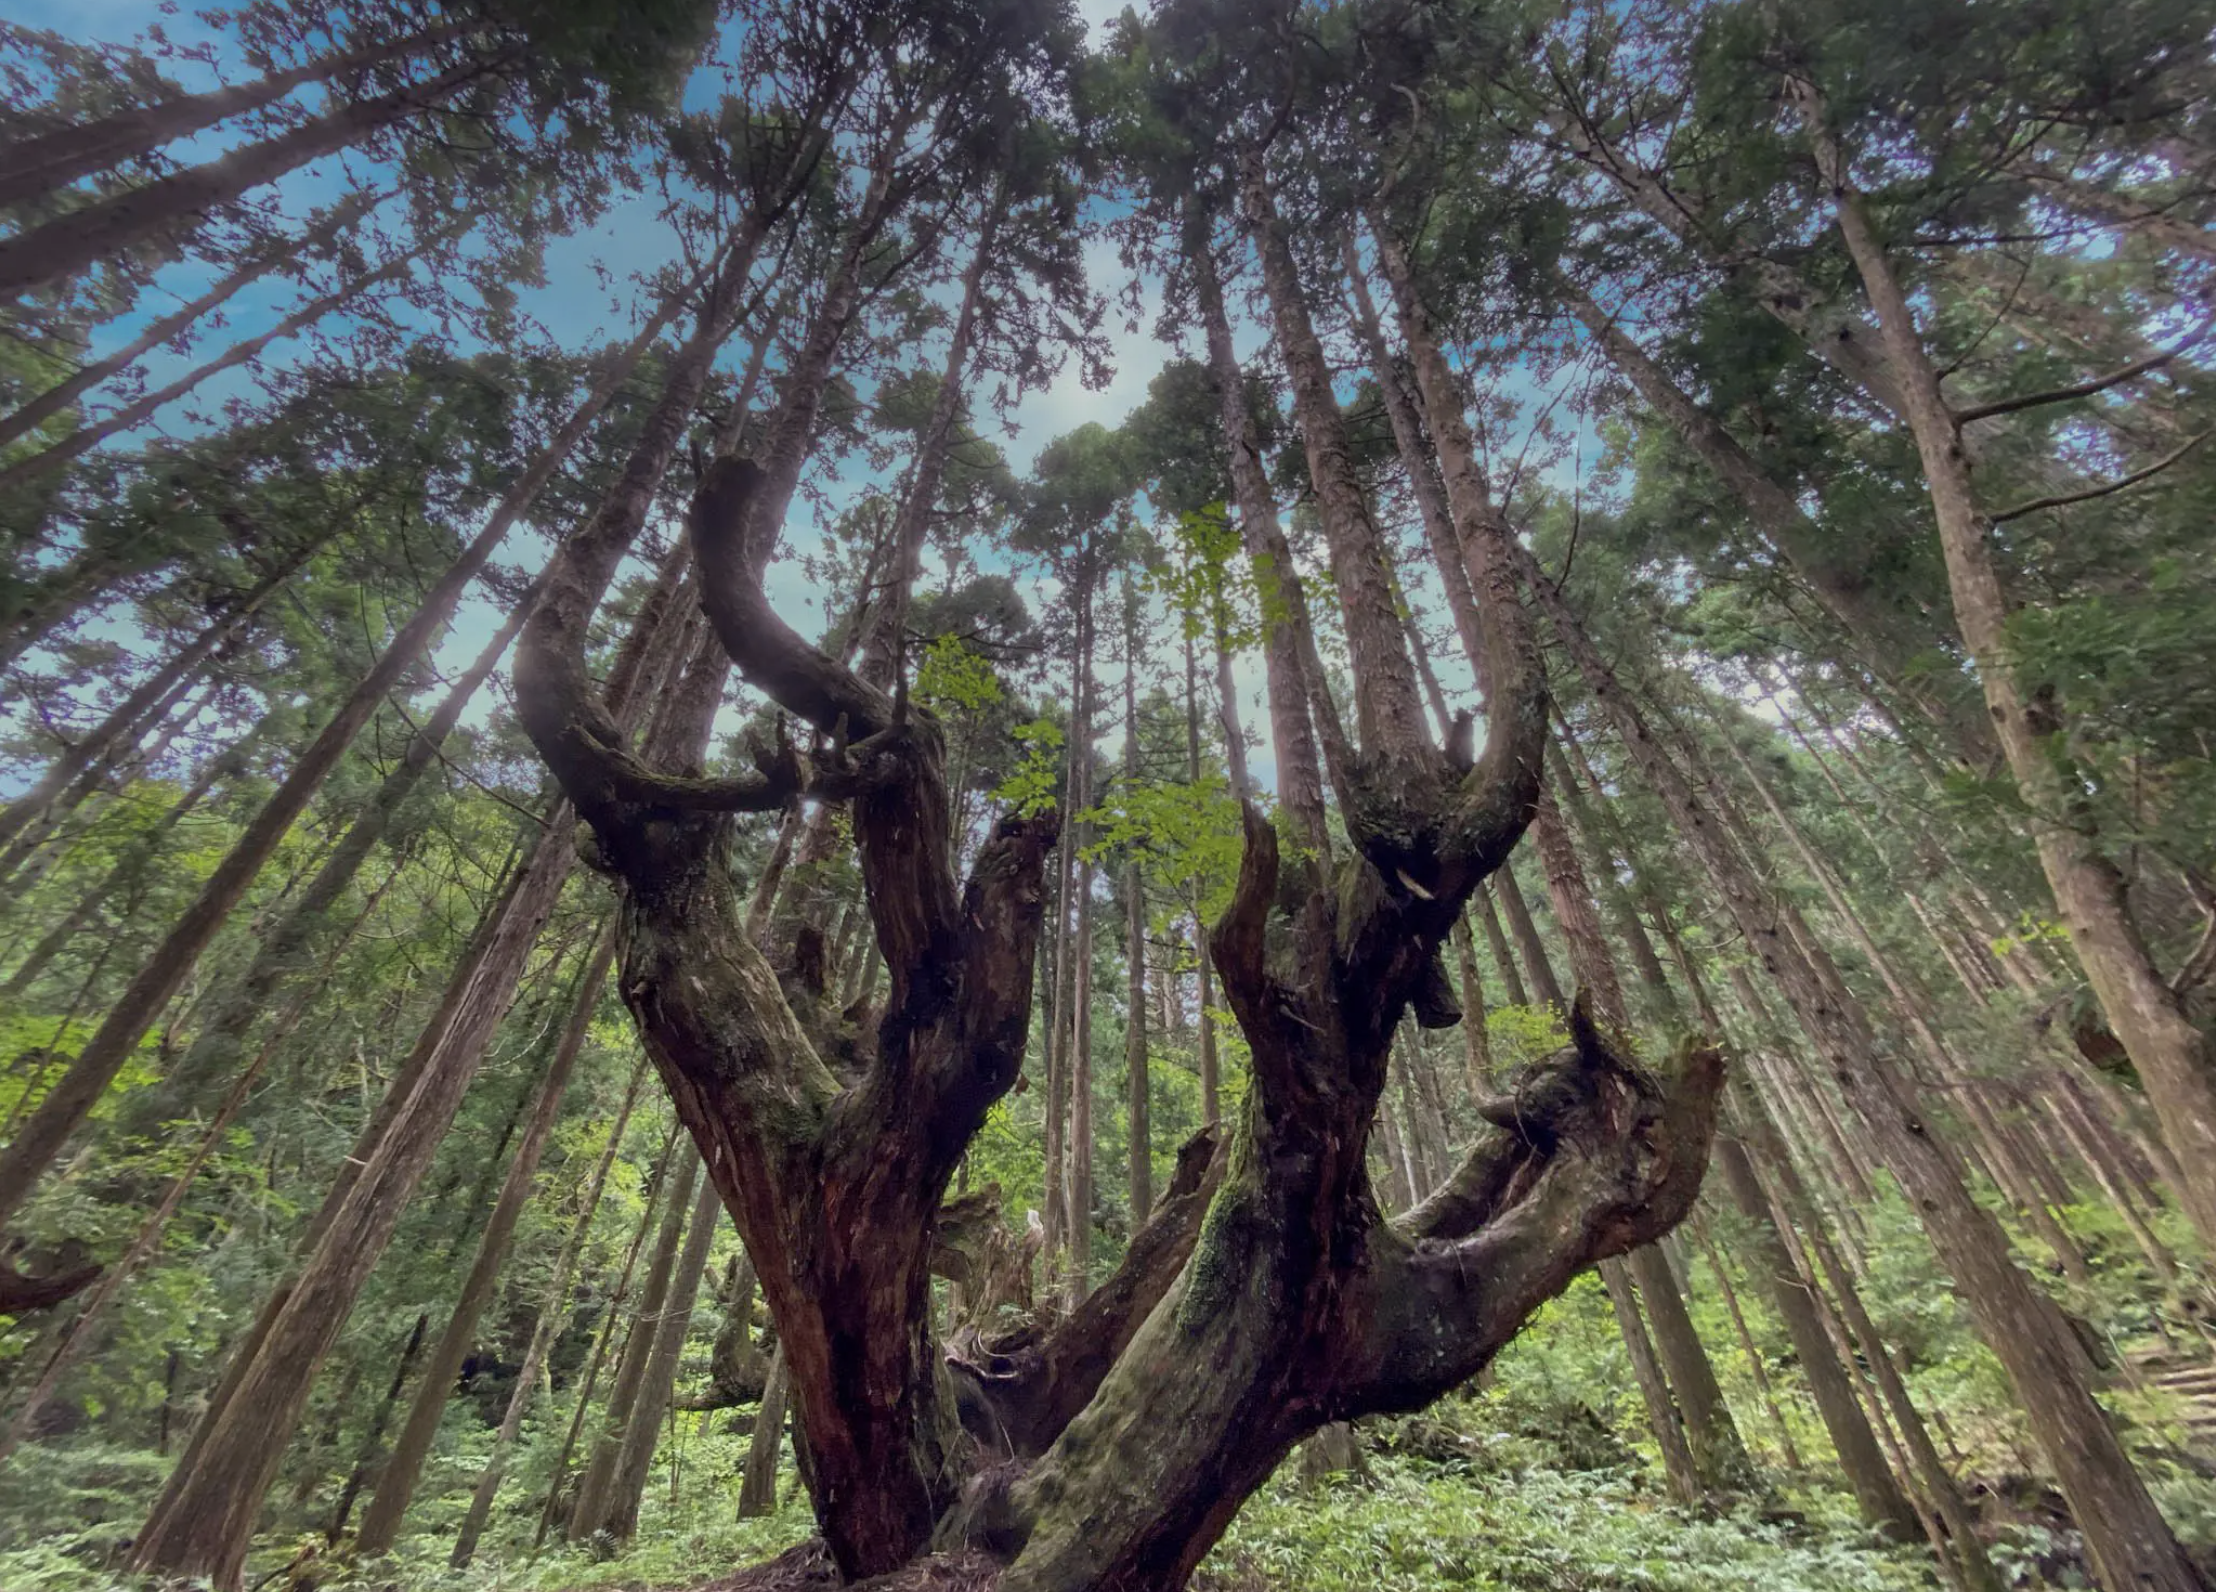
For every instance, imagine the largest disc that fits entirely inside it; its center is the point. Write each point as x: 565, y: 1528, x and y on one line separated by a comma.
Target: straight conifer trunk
x: 34, y: 167
x: 2131, y: 1544
x: 2167, y: 1047
x: 551, y: 1317
x: 42, y: 407
x: 209, y: 1520
x: 623, y: 1405
x: 161, y: 211
x: 42, y: 1137
x: 403, y: 1467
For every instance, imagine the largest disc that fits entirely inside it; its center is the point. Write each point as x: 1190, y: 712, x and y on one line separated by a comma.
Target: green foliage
x: 1415, y: 1529
x: 1033, y: 784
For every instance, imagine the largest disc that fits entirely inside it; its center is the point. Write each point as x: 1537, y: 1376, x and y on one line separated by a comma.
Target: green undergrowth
x: 1415, y: 1526
x: 1505, y: 1489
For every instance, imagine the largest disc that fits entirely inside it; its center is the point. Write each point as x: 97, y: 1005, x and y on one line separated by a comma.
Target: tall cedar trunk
x: 1938, y: 1483
x: 1060, y: 1025
x: 2167, y: 1048
x: 125, y: 880
x: 402, y: 1133
x: 31, y: 168
x: 41, y: 407
x: 619, y: 1510
x: 1538, y: 967
x: 396, y: 1483
x: 1078, y: 1209
x: 1415, y: 461
x: 209, y: 1520
x: 2129, y: 1541
x: 1833, y: 331
x: 623, y: 1406
x: 1496, y: 941
x: 41, y: 1139
x: 758, y: 1488
x: 919, y: 499
x: 141, y: 409
x: 1910, y: 1005
x: 1750, y: 1351
x: 1679, y: 1469
x: 128, y: 751
x: 1861, y: 1460
x: 1140, y: 1135
x: 1284, y: 610
x: 283, y: 949
x: 130, y: 714
x: 675, y: 1148
x: 375, y: 1435
x: 398, y: 1090
x: 1719, y: 1456
x: 1234, y: 738
x: 161, y: 211
x: 1387, y: 709
x: 1477, y: 1052
x: 552, y: 1316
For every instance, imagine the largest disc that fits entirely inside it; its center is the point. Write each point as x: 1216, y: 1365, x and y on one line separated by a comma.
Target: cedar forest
x: 1544, y: 917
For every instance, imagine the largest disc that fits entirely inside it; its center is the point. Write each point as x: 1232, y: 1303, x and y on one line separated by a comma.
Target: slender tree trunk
x: 77, y: 1336
x: 1678, y: 1466
x: 2124, y: 1531
x: 619, y: 1515
x: 1788, y: 1450
x: 1538, y: 968
x: 31, y: 168
x: 1496, y: 941
x: 551, y: 1317
x: 1718, y: 1454
x: 1388, y: 712
x: 1939, y: 1483
x: 1884, y: 639
x: 86, y: 438
x: 1284, y: 621
x: 1477, y: 1051
x: 2169, y: 1050
x: 403, y: 1468
x: 367, y: 1455
x: 126, y: 880
x: 758, y: 1492
x: 604, y: 1339
x: 41, y: 1139
x: 208, y: 1523
x: 1881, y: 1501
x: 163, y: 210
x: 42, y: 407
x: 623, y: 1408
x: 131, y: 713
x: 1134, y: 931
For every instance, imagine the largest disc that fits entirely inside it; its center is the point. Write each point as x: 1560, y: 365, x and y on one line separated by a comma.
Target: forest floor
x: 1473, y: 1497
